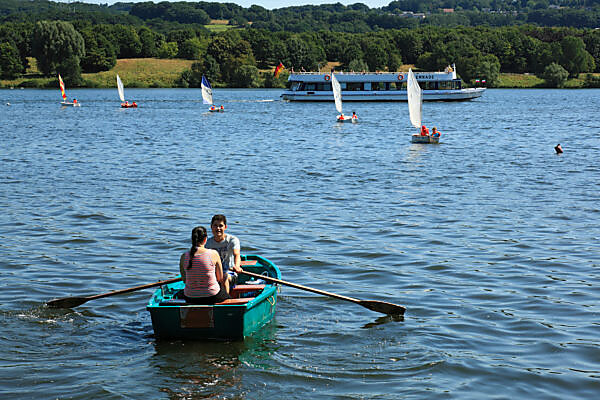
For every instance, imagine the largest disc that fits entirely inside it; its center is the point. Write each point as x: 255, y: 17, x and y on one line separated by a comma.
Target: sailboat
x: 124, y: 104
x: 74, y: 103
x: 337, y: 96
x: 207, y: 97
x: 415, y: 109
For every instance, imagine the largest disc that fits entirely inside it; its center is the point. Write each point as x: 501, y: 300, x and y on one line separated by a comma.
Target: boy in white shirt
x: 228, y: 247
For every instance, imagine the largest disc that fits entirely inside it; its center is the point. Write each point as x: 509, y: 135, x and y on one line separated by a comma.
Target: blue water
x: 490, y: 240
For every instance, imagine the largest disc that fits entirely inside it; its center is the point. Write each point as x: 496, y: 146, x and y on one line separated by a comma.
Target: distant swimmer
x: 558, y: 149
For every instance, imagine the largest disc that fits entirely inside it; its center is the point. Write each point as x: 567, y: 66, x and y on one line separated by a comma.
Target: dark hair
x: 218, y: 218
x: 198, y: 236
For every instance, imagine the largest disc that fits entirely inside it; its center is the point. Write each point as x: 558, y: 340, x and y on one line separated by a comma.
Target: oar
x: 373, y: 305
x: 70, y: 302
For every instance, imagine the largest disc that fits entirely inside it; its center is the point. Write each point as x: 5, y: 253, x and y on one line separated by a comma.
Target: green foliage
x: 10, y: 62
x: 358, y: 66
x: 245, y: 76
x: 168, y: 50
x: 575, y: 58
x: 192, y: 49
x: 58, y: 47
x: 555, y: 75
x: 592, y: 81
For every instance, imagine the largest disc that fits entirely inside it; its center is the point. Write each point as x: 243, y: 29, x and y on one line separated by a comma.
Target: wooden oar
x: 373, y: 305
x: 70, y: 302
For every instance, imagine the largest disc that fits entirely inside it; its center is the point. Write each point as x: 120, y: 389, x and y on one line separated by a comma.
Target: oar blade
x: 67, y: 302
x: 383, y: 307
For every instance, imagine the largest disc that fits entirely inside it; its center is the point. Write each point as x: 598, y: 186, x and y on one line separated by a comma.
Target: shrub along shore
x: 166, y: 73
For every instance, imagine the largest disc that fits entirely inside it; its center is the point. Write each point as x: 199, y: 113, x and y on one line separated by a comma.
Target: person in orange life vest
x: 74, y: 101
x: 222, y: 108
x: 354, y: 116
x: 134, y: 104
x: 212, y: 107
x: 228, y: 247
x: 202, y: 272
x: 435, y: 132
x: 424, y: 131
x: 341, y: 117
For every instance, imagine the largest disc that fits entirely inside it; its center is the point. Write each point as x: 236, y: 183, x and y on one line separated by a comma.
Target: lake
x: 490, y: 239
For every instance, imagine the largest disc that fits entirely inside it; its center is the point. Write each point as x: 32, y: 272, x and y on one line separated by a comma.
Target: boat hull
x: 400, y: 95
x: 233, y: 319
x: 67, y: 103
x: 425, y: 139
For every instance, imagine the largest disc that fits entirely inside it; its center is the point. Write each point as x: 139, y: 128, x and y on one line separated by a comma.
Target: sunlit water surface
x: 490, y: 240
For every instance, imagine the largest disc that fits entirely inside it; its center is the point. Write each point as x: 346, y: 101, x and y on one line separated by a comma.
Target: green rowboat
x: 252, y: 305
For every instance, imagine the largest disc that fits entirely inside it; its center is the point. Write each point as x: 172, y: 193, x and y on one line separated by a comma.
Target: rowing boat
x: 252, y: 305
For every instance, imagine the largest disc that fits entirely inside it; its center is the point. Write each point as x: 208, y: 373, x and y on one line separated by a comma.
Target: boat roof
x: 371, y: 76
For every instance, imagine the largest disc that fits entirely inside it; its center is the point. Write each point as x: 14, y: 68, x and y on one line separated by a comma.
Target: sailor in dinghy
x: 415, y: 110
x: 207, y: 97
x: 337, y: 96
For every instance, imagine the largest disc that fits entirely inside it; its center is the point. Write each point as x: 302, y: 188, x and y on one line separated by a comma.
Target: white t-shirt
x: 225, y: 249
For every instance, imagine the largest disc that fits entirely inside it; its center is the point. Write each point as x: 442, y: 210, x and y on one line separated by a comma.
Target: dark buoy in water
x: 558, y: 149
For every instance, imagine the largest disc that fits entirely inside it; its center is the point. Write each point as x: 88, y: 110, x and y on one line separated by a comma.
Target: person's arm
x: 237, y: 258
x: 182, y: 266
x: 218, y: 266
x: 238, y: 261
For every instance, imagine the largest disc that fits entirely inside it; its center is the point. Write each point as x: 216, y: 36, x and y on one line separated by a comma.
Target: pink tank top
x: 200, y: 279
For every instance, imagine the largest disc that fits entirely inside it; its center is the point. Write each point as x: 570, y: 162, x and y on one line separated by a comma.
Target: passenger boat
x: 378, y: 86
x: 252, y: 305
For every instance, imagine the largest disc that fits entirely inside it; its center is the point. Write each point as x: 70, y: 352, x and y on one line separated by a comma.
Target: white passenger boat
x: 378, y: 86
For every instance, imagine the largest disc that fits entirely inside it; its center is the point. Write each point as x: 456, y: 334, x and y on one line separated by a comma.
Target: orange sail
x: 62, y: 87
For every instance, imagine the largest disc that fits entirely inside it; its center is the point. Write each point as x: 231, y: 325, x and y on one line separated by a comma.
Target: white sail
x: 120, y: 88
x: 337, y: 93
x: 415, y: 100
x: 207, y: 97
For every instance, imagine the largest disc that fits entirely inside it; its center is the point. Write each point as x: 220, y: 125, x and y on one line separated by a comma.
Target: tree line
x: 356, y: 18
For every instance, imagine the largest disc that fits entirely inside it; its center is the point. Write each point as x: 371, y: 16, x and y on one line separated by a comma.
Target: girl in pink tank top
x: 202, y: 272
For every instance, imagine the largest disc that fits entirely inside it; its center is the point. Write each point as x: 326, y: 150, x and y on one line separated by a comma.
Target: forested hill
x: 357, y: 18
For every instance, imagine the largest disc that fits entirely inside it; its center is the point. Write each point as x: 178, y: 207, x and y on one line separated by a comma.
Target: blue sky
x: 270, y: 4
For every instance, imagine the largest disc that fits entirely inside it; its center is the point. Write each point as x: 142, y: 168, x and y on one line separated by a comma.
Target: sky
x: 269, y: 4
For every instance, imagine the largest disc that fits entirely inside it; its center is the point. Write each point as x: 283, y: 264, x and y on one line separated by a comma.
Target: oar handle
x: 297, y: 286
x: 133, y: 289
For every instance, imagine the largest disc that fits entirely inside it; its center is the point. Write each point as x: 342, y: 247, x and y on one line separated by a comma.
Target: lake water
x: 490, y: 239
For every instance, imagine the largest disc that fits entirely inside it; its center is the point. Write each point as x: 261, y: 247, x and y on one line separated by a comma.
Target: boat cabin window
x: 354, y: 86
x: 313, y: 87
x: 296, y: 85
x: 378, y: 86
x: 397, y: 85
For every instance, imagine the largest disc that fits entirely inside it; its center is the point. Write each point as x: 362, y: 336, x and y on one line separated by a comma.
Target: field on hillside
x: 141, y: 72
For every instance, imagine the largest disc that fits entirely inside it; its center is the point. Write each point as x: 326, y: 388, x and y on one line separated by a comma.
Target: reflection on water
x: 191, y: 369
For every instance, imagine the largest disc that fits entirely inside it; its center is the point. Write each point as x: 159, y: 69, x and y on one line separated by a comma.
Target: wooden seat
x: 239, y: 289
x: 248, y: 262
x: 230, y: 302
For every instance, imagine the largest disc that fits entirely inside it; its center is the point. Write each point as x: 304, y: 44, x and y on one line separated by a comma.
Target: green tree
x: 555, y: 75
x: 358, y: 65
x: 10, y: 62
x: 575, y: 58
x: 168, y: 50
x: 192, y: 49
x: 57, y: 43
x: 100, y: 53
x: 245, y: 76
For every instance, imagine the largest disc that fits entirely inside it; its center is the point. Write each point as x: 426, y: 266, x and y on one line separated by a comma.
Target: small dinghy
x: 415, y: 109
x: 121, y: 90
x: 207, y: 97
x: 252, y: 305
x: 73, y: 103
